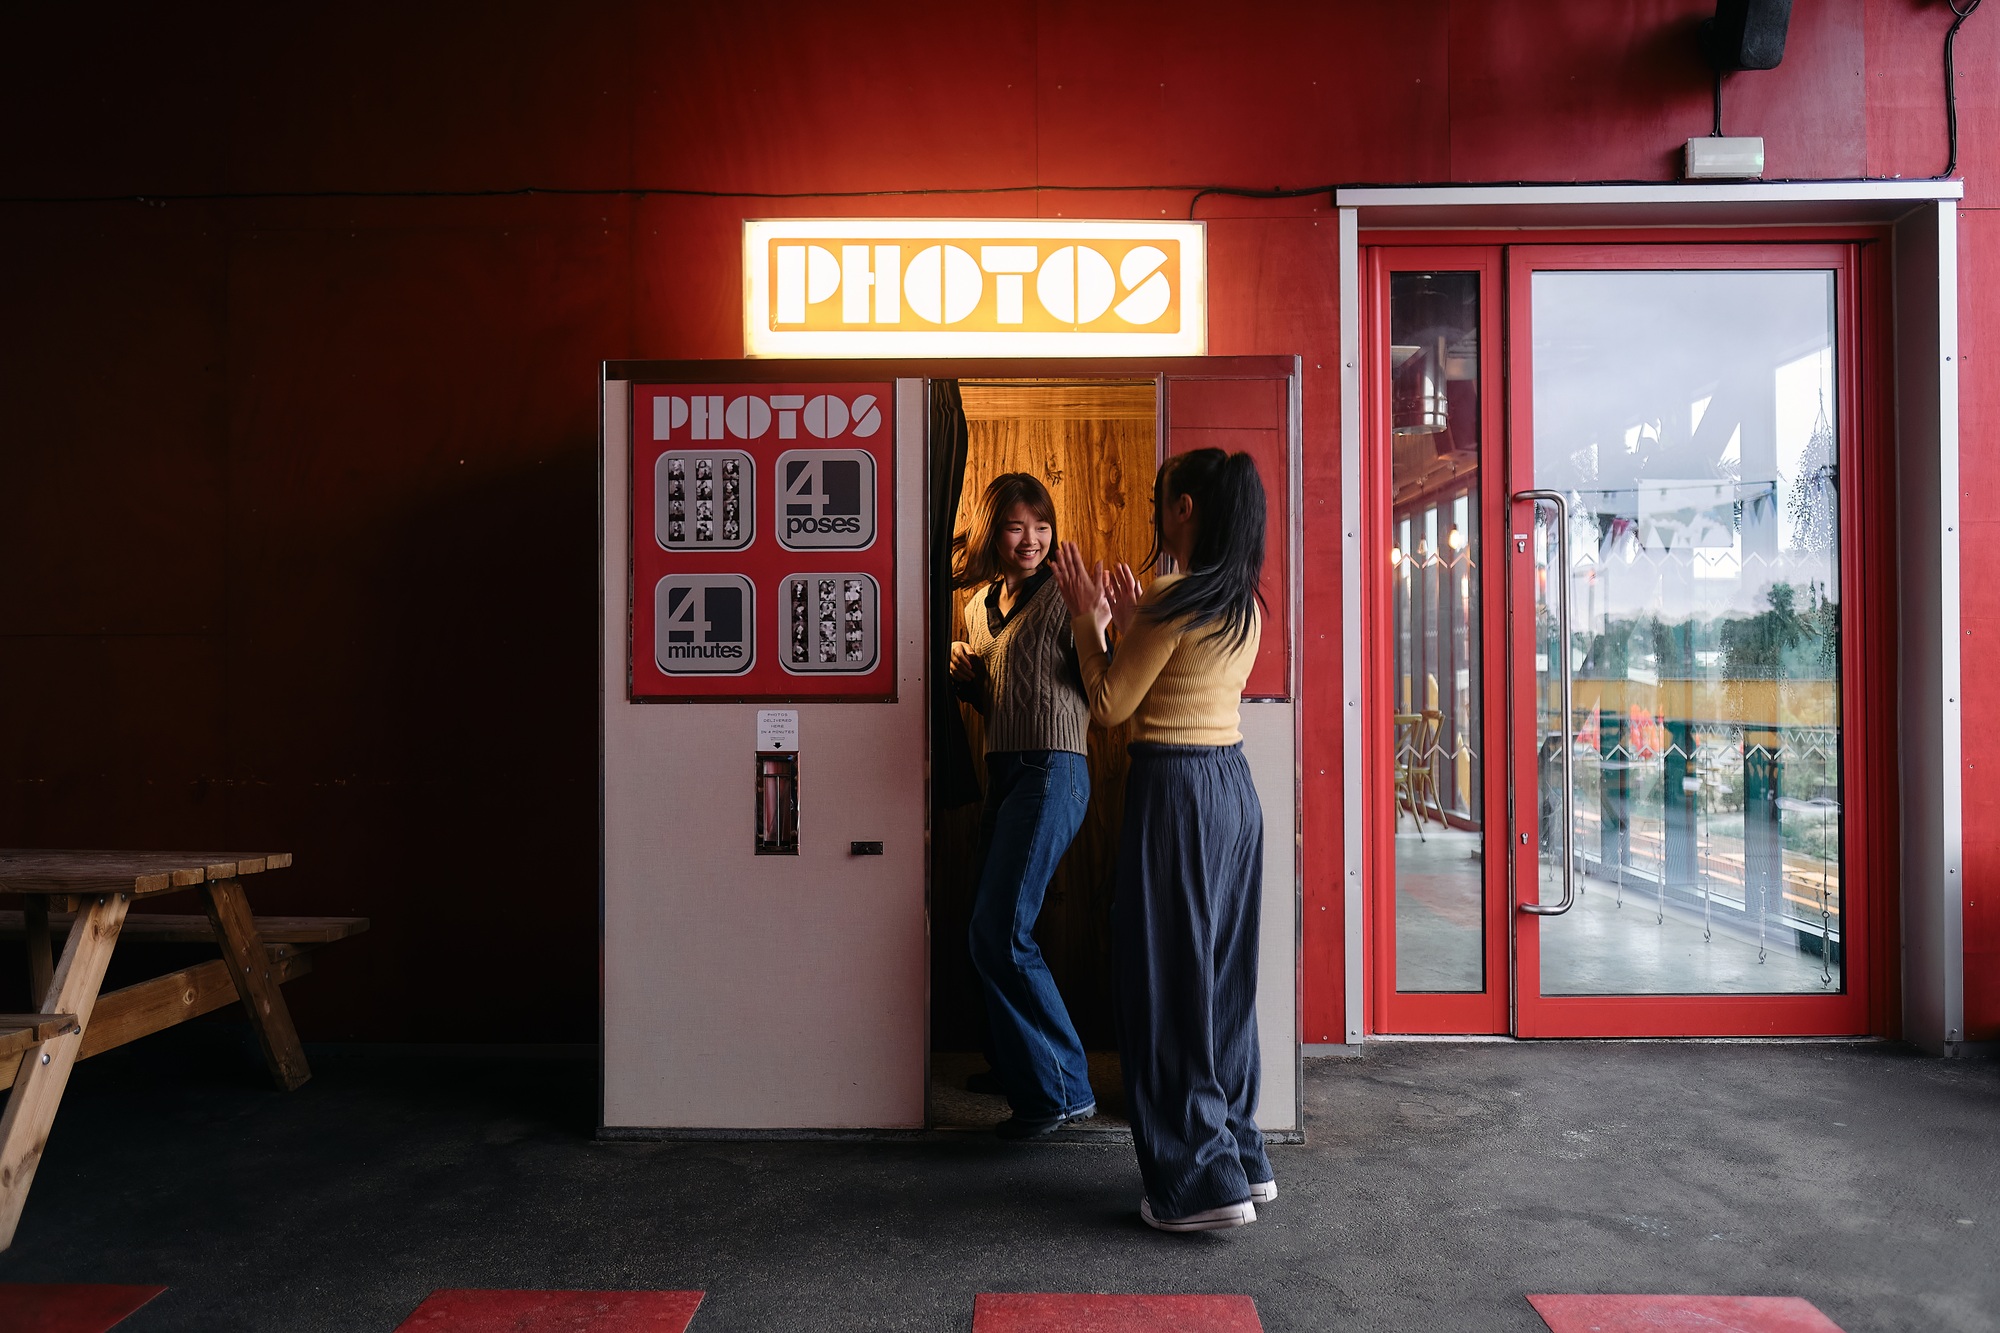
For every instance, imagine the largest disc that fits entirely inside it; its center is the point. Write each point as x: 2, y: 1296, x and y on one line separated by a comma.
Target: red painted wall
x: 302, y: 490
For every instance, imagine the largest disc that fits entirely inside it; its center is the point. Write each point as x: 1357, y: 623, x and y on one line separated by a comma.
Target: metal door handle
x: 1561, y: 504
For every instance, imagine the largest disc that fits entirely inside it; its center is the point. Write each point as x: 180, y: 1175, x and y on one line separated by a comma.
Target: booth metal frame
x: 617, y: 376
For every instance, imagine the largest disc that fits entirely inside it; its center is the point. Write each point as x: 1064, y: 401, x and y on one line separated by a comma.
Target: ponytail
x: 1227, y: 562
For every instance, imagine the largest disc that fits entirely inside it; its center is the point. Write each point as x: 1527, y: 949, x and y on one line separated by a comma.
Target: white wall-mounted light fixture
x: 1730, y: 158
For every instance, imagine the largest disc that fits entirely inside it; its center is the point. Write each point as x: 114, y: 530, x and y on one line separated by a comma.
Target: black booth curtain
x: 954, y: 781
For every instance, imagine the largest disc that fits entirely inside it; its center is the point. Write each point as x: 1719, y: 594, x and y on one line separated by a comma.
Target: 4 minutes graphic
x: 704, y: 624
x: 825, y: 500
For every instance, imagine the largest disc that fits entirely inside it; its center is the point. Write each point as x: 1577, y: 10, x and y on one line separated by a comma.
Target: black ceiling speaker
x: 1746, y: 34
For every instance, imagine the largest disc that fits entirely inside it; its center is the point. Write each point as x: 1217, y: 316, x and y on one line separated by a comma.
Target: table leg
x: 41, y: 958
x: 250, y: 966
x: 38, y: 1088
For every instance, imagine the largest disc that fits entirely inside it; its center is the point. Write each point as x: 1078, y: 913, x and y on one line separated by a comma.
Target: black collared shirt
x: 995, y: 619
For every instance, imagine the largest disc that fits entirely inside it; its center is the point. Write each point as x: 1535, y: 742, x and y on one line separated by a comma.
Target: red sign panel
x: 763, y: 541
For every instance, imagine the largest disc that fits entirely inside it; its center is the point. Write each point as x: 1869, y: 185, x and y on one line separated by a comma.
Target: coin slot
x: 777, y: 804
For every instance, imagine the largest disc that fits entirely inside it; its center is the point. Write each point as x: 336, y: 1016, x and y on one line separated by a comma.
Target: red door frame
x: 1870, y: 1002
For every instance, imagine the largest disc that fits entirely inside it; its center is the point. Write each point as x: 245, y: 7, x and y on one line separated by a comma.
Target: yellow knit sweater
x: 1180, y: 688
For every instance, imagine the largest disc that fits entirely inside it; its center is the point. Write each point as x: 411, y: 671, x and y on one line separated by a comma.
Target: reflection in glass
x: 1434, y: 580
x: 1690, y: 418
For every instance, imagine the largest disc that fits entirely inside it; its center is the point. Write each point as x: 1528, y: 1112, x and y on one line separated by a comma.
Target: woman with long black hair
x: 1191, y: 852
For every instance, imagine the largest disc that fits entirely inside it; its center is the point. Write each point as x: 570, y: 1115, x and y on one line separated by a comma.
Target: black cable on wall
x: 1951, y: 84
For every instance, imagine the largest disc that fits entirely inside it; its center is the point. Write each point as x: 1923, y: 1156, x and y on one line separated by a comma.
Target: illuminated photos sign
x: 849, y: 287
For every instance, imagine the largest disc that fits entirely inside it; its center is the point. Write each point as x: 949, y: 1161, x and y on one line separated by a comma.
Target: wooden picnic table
x: 85, y: 895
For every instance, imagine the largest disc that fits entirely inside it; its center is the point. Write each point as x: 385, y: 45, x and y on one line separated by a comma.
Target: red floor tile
x: 70, y: 1308
x: 1026, y: 1312
x: 1680, y: 1314
x: 473, y: 1311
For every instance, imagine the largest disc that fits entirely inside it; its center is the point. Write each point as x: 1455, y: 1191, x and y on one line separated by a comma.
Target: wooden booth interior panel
x: 1019, y: 402
x: 1095, y: 446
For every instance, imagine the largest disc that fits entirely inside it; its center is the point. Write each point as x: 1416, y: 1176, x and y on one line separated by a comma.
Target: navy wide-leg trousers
x: 1184, y: 946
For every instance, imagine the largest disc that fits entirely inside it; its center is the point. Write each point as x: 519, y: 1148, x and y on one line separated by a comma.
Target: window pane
x: 1434, y: 573
x: 1690, y: 417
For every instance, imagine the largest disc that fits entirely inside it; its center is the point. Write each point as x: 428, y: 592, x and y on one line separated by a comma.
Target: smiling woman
x: 1017, y: 667
x: 1091, y: 448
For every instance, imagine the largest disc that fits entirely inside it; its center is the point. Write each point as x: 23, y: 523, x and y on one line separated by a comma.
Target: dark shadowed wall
x: 300, y: 474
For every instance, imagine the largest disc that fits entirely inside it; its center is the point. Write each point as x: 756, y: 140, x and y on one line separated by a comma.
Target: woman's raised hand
x: 1123, y: 593
x: 1083, y: 587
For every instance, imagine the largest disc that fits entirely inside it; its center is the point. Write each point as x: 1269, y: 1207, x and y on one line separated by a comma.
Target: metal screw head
x: 45, y: 1057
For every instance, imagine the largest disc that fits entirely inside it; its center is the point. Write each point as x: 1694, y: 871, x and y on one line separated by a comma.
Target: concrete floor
x: 952, y: 1107
x: 1609, y: 943
x: 1440, y: 924
x: 1630, y: 943
x: 1440, y: 1183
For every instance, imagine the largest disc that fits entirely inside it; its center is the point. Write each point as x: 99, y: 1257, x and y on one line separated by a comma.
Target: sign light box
x: 911, y: 287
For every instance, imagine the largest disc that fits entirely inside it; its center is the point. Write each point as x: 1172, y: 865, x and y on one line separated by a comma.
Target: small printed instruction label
x: 778, y: 729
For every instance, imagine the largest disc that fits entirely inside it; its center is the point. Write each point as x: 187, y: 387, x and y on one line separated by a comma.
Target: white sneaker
x: 1214, y: 1219
x: 1263, y: 1191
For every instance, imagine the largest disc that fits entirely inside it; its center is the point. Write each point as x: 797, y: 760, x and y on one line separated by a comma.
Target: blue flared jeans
x: 1035, y: 802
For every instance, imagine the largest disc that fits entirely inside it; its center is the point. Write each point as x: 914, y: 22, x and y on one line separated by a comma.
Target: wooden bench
x: 160, y: 1002
x: 165, y: 928
x: 84, y: 898
x: 20, y: 1031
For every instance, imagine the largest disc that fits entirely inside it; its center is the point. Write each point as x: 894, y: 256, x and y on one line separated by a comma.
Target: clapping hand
x: 1123, y: 593
x: 1085, y: 588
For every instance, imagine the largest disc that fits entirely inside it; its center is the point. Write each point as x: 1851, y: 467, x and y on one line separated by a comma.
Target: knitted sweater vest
x: 1034, y: 698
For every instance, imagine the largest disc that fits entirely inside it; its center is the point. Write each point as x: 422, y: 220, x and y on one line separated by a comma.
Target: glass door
x: 1628, y: 693
x: 1682, y: 563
